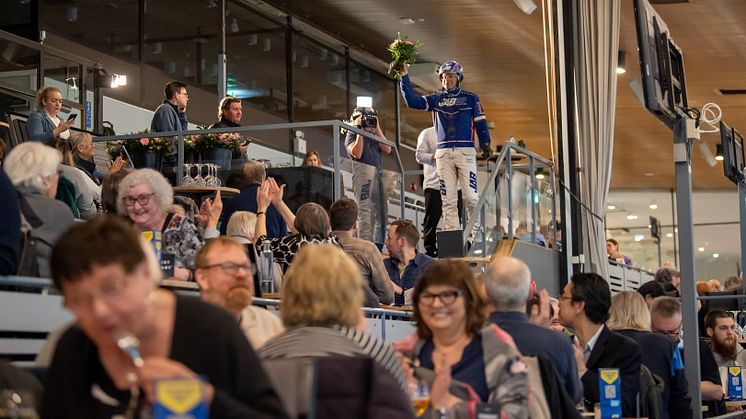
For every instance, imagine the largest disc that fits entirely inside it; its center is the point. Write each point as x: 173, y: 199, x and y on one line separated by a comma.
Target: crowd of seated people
x: 478, y: 340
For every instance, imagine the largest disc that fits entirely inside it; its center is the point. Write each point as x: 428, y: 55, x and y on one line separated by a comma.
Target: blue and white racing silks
x: 456, y: 115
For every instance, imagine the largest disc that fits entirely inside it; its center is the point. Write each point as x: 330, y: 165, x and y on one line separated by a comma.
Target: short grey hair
x: 507, y: 281
x: 242, y: 224
x: 164, y: 193
x: 30, y: 164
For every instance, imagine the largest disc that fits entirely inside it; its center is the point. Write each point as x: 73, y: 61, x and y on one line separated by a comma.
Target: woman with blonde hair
x: 629, y: 316
x: 87, y: 192
x: 45, y: 125
x: 321, y: 300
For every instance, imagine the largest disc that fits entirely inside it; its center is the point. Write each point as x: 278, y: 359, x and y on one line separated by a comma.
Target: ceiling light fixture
x: 267, y: 45
x: 540, y: 174
x: 719, y: 152
x: 632, y: 217
x: 620, y: 64
x: 406, y: 21
x: 669, y: 235
x: 253, y: 39
x: 611, y: 207
x: 715, y: 255
x: 234, y: 26
x: 700, y: 249
x: 653, y: 206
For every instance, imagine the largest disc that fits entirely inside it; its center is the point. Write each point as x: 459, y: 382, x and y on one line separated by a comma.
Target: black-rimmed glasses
x: 445, y: 297
x: 141, y: 199
x: 230, y: 268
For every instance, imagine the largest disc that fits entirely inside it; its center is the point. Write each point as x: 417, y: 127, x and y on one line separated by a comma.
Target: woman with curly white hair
x: 146, y: 197
x: 33, y: 169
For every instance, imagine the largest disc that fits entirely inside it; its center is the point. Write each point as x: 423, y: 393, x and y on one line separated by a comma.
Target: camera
x: 368, y: 121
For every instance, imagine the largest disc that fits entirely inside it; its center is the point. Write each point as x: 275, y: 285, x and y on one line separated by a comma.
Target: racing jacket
x: 456, y: 115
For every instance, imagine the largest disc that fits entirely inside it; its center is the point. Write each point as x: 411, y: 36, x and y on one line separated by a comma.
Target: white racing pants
x: 455, y: 166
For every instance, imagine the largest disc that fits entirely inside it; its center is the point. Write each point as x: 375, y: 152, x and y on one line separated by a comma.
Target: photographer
x: 366, y: 173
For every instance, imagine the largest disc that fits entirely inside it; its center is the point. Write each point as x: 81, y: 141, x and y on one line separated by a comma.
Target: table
x: 205, y: 190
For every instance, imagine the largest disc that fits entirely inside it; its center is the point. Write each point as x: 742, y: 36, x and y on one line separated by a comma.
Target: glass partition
x: 18, y: 66
x: 319, y: 81
x: 366, y: 82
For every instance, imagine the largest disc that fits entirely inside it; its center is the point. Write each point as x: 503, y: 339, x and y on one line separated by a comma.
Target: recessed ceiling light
x: 611, y: 207
x: 701, y: 249
x: 406, y: 21
x: 639, y: 237
x: 653, y: 206
x: 631, y: 217
x: 669, y: 235
x: 648, y: 174
x: 715, y: 255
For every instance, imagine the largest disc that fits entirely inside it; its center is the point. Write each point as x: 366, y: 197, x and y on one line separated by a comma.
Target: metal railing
x: 503, y: 170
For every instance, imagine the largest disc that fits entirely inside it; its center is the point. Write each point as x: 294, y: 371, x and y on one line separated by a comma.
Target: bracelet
x: 258, y: 213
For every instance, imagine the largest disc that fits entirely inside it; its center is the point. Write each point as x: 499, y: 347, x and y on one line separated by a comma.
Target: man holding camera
x: 456, y: 114
x: 366, y: 173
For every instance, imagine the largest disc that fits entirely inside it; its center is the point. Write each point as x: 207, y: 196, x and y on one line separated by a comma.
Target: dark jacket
x: 358, y: 387
x: 662, y: 359
x: 559, y: 401
x: 168, y: 118
x: 224, y: 123
x: 10, y: 227
x: 613, y: 350
x: 246, y: 201
x: 535, y: 340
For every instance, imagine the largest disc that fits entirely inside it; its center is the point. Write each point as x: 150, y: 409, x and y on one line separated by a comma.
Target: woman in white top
x: 45, y: 125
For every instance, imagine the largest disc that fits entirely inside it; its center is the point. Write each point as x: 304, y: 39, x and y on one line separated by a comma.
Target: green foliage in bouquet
x: 403, y: 52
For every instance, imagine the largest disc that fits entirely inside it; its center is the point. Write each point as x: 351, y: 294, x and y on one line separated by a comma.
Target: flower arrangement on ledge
x: 137, y: 145
x: 206, y: 142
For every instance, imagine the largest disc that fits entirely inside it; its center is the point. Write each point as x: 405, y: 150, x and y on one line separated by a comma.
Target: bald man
x: 507, y: 282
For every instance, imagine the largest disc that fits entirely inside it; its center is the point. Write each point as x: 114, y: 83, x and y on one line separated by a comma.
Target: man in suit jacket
x: 584, y: 307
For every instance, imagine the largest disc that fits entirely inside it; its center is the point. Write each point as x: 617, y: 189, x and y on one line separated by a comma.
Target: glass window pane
x: 108, y: 26
x: 18, y: 66
x: 366, y: 82
x: 64, y: 75
x: 256, y: 61
x: 320, y: 81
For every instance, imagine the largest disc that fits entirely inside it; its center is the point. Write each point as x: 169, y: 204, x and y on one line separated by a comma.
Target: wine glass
x: 215, y: 177
x: 187, y: 180
x: 199, y: 180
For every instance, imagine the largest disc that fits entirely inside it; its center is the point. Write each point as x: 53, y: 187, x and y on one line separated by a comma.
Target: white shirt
x: 260, y: 325
x: 425, y: 155
x: 591, y: 343
x: 56, y: 121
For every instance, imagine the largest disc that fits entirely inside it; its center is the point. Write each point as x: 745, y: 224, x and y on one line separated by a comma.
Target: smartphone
x: 72, y: 117
x: 246, y: 141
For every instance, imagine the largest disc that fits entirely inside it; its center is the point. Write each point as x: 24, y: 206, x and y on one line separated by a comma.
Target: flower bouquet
x: 207, y: 142
x: 139, y: 145
x: 403, y: 52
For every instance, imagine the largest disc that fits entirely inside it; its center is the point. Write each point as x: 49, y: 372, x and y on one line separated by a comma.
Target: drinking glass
x: 188, y: 180
x: 199, y: 180
x: 420, y: 394
x: 216, y: 178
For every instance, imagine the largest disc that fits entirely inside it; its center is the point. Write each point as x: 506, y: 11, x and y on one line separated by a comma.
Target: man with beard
x: 224, y: 275
x: 721, y: 328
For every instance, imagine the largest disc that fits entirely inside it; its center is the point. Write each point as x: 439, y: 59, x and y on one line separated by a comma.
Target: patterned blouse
x: 183, y: 238
x: 285, y: 248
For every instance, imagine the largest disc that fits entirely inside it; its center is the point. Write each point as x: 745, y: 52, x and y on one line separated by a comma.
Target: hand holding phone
x: 72, y: 117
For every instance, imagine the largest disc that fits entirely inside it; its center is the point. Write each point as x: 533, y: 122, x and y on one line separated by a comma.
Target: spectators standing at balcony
x: 146, y: 197
x: 612, y: 251
x: 10, y: 228
x: 343, y: 219
x: 229, y: 116
x: 82, y: 144
x: 457, y: 114
x: 109, y: 284
x: 33, y: 169
x: 629, y: 316
x: 432, y: 189
x: 87, y: 192
x: 253, y: 174
x: 584, y: 307
x: 224, y: 274
x: 508, y: 281
x: 453, y: 342
x: 45, y: 125
x: 665, y: 319
x: 404, y: 264
x: 721, y: 329
x: 171, y: 114
x: 310, y: 225
x: 367, y: 176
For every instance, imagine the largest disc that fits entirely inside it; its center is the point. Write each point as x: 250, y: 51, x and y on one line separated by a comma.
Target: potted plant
x: 217, y: 148
x: 144, y: 152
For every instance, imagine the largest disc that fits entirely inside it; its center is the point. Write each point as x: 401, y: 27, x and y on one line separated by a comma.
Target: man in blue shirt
x: 508, y: 281
x: 457, y: 114
x: 366, y: 176
x: 171, y: 114
x: 404, y: 264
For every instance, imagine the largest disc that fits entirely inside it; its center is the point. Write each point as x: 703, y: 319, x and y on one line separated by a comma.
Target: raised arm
x: 411, y: 98
x: 276, y: 193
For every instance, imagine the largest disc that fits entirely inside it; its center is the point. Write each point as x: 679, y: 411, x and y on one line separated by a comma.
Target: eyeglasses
x: 108, y: 291
x: 141, y: 199
x: 674, y: 333
x: 230, y: 268
x: 445, y: 297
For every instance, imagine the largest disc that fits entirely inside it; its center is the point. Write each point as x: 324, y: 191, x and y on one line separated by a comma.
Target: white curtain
x: 596, y: 52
